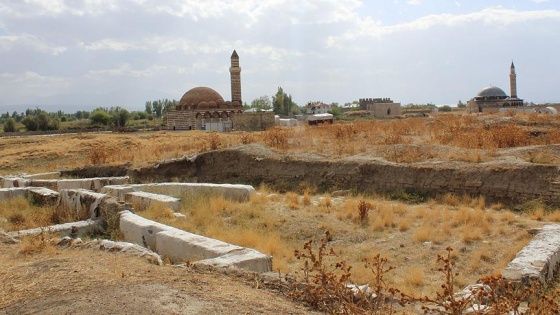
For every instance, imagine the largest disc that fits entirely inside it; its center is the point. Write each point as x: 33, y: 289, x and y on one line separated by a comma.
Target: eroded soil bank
x: 499, y: 181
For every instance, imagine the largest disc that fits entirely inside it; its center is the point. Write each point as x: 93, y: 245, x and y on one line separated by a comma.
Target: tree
x: 336, y: 111
x: 157, y: 108
x: 461, y: 104
x: 10, y: 125
x: 445, y: 108
x: 282, y: 103
x: 148, y: 107
x: 42, y: 121
x: 121, y: 117
x: 261, y: 103
x: 30, y: 123
x: 100, y: 117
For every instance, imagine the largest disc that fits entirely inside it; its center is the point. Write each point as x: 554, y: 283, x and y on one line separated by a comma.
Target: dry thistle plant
x: 329, y: 288
x: 363, y: 211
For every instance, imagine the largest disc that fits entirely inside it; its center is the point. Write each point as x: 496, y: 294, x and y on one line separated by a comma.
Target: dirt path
x: 87, y: 281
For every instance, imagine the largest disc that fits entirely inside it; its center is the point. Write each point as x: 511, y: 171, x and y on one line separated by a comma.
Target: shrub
x: 100, y: 117
x: 277, y: 137
x: 99, y: 154
x: 10, y: 125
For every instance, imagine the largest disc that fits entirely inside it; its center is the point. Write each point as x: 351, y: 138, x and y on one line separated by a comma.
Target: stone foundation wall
x: 253, y: 121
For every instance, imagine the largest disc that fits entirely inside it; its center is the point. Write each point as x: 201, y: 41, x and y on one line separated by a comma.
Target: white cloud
x: 414, y: 2
x: 498, y: 16
x: 8, y: 42
x: 126, y: 70
x: 31, y: 82
x: 33, y: 8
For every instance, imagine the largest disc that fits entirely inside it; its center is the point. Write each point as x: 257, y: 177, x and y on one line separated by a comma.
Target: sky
x: 74, y: 55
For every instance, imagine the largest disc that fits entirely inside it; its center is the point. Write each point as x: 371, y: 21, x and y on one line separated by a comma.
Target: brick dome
x: 200, y: 94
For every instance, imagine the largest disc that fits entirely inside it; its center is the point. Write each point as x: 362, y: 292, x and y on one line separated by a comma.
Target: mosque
x: 202, y: 108
x: 492, y: 99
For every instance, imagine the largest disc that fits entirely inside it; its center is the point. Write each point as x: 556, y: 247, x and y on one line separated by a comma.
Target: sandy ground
x: 87, y: 281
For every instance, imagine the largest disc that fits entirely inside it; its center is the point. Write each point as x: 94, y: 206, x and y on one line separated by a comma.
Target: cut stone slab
x: 139, y: 230
x: 43, y: 196
x: 127, y: 248
x: 80, y: 199
x: 182, y: 246
x: 236, y: 192
x: 539, y: 260
x: 48, y: 175
x: 10, y: 182
x: 83, y: 228
x: 178, y: 190
x: 245, y: 258
x: 14, y: 192
x: 144, y: 200
x: 118, y: 191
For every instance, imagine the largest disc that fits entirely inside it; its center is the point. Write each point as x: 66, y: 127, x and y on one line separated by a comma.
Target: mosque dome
x: 491, y: 92
x: 200, y: 94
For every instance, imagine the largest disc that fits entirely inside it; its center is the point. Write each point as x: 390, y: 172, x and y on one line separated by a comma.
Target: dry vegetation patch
x: 19, y: 214
x: 467, y: 138
x: 360, y: 227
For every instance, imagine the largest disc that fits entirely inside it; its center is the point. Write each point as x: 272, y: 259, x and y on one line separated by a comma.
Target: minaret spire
x: 235, y: 76
x: 512, y: 81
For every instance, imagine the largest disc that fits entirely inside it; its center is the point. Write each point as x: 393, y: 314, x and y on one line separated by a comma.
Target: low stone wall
x: 14, y: 192
x: 81, y: 228
x: 38, y: 195
x: 539, y: 260
x: 253, y: 121
x: 178, y: 190
x: 182, y: 246
x: 95, y: 183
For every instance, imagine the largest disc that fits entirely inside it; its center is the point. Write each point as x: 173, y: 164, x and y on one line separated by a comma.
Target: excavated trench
x: 254, y: 164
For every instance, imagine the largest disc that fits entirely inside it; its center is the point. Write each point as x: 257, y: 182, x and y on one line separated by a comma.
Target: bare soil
x: 88, y: 281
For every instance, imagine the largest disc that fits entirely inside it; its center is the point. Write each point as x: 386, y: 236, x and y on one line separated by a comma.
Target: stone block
x: 13, y: 192
x: 182, y: 246
x: 235, y: 192
x: 47, y: 183
x: 138, y: 230
x: 539, y: 260
x: 143, y: 200
x: 245, y: 258
x: 43, y: 196
x: 80, y: 200
x: 118, y: 191
x: 9, y: 182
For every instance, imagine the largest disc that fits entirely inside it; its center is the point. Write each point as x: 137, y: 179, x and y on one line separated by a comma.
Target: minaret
x: 512, y: 81
x: 235, y: 74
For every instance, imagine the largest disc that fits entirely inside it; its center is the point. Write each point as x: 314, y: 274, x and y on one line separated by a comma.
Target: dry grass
x: 446, y: 137
x: 19, y: 214
x: 408, y: 235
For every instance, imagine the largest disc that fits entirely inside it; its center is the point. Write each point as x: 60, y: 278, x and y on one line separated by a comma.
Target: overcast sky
x: 75, y: 55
